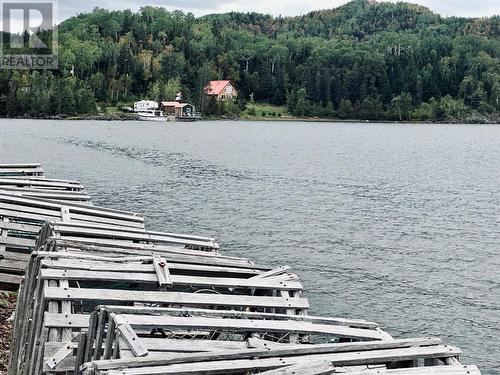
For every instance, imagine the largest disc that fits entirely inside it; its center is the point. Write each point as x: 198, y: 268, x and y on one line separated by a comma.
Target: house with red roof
x: 222, y: 90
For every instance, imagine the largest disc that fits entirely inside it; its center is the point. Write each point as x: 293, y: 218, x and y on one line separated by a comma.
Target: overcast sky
x: 68, y: 8
x: 471, y: 8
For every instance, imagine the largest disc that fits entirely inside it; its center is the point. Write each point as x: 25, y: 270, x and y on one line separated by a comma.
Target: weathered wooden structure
x: 60, y: 195
x: 103, y: 295
x: 40, y: 183
x: 21, y: 218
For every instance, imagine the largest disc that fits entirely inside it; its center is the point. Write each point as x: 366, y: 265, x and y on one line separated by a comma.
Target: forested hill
x: 365, y: 60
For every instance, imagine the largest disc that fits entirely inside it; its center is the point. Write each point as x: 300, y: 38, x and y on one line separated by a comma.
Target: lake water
x: 397, y: 224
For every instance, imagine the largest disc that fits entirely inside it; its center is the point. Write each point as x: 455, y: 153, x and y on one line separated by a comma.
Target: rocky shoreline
x: 473, y: 119
x: 7, y: 307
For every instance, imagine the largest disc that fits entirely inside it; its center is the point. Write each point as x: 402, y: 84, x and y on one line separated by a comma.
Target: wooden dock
x: 100, y: 294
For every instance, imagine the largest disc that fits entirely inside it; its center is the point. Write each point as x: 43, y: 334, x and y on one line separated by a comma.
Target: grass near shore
x: 266, y: 112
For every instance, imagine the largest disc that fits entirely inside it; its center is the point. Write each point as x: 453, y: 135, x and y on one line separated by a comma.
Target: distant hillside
x: 365, y: 60
x: 358, y: 19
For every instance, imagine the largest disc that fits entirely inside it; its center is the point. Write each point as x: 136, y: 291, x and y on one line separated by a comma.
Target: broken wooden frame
x: 21, y: 219
x: 172, y: 331
x: 389, y: 354
x: 327, y: 367
x: 112, y: 237
x: 62, y: 288
x: 41, y: 184
x: 59, y: 195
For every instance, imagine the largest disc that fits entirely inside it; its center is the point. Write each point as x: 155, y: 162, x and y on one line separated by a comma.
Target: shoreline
x: 128, y: 117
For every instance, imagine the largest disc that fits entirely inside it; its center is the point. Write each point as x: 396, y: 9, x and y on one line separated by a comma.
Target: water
x: 391, y: 223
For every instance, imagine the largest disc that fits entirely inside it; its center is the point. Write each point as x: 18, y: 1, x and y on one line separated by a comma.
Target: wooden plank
x: 171, y: 253
x: 189, y: 299
x: 82, y: 212
x: 48, y: 194
x: 12, y: 265
x: 53, y: 361
x: 43, y: 178
x: 273, y: 272
x: 150, y: 278
x: 95, y: 332
x: 162, y: 273
x: 10, y: 279
x: 23, y: 256
x: 17, y: 242
x: 21, y: 170
x: 41, y: 184
x: 129, y: 248
x: 19, y: 165
x: 189, y: 346
x: 81, y: 321
x: 132, y: 235
x: 117, y: 239
x: 137, y: 310
x: 19, y: 227
x: 79, y: 360
x: 76, y: 227
x: 46, y: 191
x: 104, y: 265
x: 212, y: 363
x: 246, y: 325
x: 3, y: 233
x: 312, y: 368
x: 434, y: 370
x: 133, y: 342
x: 16, y: 214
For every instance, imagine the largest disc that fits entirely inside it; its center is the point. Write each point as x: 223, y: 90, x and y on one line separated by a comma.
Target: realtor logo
x: 28, y: 36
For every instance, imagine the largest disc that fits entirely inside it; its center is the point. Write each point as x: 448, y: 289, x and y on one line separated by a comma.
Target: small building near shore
x: 178, y: 109
x: 221, y: 90
x: 145, y: 105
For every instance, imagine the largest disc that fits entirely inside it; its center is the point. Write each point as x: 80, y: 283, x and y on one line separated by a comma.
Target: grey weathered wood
x: 162, y: 273
x: 273, y: 272
x: 263, y: 360
x: 76, y: 230
x: 150, y: 278
x: 132, y: 340
x: 105, y: 265
x: 53, y: 194
x: 59, y: 356
x: 61, y: 319
x: 434, y: 370
x: 41, y: 184
x: 171, y: 253
x: 31, y: 169
x: 177, y: 298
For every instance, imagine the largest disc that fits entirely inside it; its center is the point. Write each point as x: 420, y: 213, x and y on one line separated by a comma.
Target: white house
x: 145, y: 105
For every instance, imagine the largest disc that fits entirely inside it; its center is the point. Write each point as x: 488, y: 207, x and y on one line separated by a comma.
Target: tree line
x: 364, y: 60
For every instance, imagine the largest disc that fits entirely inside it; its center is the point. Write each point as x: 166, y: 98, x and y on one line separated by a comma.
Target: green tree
x: 402, y: 105
x: 171, y: 88
x: 450, y: 109
x: 303, y: 106
x: 345, y: 109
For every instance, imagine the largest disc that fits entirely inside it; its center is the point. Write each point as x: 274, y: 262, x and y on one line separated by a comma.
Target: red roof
x: 216, y: 87
x: 174, y: 104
